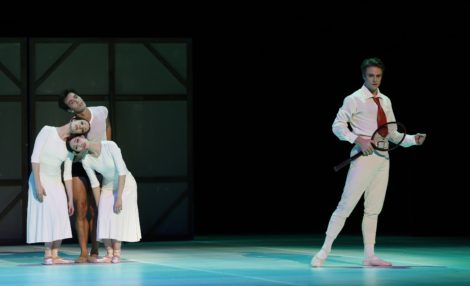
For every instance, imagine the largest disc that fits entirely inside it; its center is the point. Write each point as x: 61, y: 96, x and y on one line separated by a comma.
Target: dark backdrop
x: 268, y: 82
x: 265, y: 98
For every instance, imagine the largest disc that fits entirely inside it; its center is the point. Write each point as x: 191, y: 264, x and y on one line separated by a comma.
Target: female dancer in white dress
x: 48, y: 208
x: 118, y: 214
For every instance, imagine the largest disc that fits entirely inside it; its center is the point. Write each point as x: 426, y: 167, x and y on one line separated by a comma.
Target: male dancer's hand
x: 419, y: 138
x: 365, y: 144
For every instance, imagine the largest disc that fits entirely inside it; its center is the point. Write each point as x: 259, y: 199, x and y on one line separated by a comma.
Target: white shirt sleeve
x: 408, y: 141
x: 118, y: 160
x: 98, y: 123
x: 91, y: 173
x: 344, y: 115
x: 39, y: 144
x: 102, y: 112
x: 105, y: 112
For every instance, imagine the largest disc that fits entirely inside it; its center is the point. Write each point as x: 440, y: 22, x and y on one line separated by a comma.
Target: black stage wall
x: 266, y: 87
x: 268, y: 94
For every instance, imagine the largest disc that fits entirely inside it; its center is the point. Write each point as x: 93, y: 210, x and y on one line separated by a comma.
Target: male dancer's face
x: 75, y: 103
x: 372, y: 78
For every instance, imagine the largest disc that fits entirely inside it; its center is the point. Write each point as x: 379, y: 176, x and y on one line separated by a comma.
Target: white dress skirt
x: 47, y: 220
x: 125, y: 225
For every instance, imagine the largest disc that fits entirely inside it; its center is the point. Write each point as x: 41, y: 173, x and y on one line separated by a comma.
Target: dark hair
x: 67, y: 143
x: 372, y: 62
x: 62, y: 97
x: 74, y: 118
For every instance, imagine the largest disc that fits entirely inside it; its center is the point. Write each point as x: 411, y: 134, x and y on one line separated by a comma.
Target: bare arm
x: 68, y: 189
x: 37, y: 181
x: 118, y: 202
x: 108, y: 128
x: 39, y: 144
x: 97, y: 194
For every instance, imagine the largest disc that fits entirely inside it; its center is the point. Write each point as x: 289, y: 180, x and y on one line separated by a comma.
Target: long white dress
x: 49, y: 220
x: 124, y: 226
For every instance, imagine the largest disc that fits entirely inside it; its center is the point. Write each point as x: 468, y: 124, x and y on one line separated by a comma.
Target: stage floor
x: 249, y: 260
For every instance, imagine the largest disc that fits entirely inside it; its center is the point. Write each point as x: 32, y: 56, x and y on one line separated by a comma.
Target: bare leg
x: 109, y: 252
x: 55, y: 253
x: 47, y: 253
x: 81, y: 223
x: 93, y: 223
x: 55, y: 248
x: 55, y: 258
x: 116, y: 251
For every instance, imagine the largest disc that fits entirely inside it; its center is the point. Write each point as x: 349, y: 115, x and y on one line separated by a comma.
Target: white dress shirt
x: 360, y: 111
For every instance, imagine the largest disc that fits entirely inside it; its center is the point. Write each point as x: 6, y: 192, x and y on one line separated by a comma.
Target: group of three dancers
x: 106, y: 211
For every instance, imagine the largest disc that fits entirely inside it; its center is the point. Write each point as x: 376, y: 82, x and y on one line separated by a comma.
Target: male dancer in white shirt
x: 368, y: 174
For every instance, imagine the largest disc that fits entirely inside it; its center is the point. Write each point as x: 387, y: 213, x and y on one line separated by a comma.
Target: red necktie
x: 381, y: 118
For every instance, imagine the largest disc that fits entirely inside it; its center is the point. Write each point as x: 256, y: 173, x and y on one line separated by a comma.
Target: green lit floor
x: 253, y: 260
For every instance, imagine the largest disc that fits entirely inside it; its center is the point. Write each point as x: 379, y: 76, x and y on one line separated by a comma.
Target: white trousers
x: 367, y: 175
